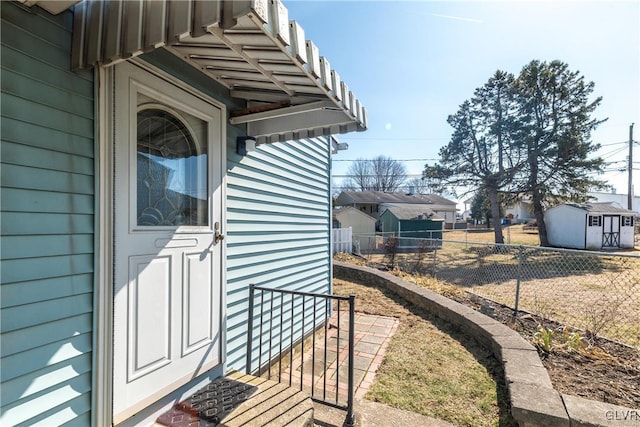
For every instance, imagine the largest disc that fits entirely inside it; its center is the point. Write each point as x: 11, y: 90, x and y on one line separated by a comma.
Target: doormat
x: 209, y: 405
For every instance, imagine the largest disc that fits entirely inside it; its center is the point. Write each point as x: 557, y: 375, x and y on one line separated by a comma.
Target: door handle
x: 217, y: 235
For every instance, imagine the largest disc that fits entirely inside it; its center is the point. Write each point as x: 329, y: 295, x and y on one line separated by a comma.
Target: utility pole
x: 630, y: 192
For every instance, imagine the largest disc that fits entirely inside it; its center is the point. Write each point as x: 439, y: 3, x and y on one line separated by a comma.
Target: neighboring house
x: 520, y: 211
x: 136, y: 209
x: 363, y: 226
x: 414, y: 222
x: 620, y: 199
x: 466, y: 213
x: 375, y: 202
x: 592, y: 226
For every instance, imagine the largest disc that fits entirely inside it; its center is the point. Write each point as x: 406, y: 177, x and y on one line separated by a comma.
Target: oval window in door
x: 171, y: 161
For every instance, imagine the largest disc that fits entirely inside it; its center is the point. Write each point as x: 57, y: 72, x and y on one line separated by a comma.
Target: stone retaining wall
x: 534, y: 401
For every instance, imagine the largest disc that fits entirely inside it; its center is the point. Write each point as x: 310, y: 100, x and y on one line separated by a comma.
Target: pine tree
x: 555, y: 120
x: 483, y: 153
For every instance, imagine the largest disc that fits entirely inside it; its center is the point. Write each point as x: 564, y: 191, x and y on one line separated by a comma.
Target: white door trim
x: 101, y: 405
x: 102, y: 357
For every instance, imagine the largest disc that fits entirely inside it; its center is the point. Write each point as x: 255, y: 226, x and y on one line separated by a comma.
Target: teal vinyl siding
x: 278, y: 219
x: 278, y: 228
x: 278, y: 213
x: 47, y: 224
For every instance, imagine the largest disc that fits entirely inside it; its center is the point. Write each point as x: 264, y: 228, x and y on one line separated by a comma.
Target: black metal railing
x: 301, y: 335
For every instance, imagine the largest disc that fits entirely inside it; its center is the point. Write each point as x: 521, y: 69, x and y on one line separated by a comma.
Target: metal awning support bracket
x: 283, y: 112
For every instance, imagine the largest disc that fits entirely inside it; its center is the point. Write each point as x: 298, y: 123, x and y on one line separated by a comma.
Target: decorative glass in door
x: 171, y: 168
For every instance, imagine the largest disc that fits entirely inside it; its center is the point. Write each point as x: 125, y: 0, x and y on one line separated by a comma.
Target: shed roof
x: 379, y: 197
x: 338, y: 212
x: 249, y: 46
x: 414, y: 213
x: 604, y: 208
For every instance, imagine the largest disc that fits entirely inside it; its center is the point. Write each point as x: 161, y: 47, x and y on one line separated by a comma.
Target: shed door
x: 610, y: 231
x: 168, y: 204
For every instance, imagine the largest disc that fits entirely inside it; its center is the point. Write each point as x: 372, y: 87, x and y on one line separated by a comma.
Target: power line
x: 396, y: 138
x: 397, y: 160
x: 614, y: 143
x: 373, y: 176
x: 408, y: 138
x: 613, y: 153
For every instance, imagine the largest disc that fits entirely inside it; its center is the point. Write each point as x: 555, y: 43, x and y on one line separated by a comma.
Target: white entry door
x: 168, y: 204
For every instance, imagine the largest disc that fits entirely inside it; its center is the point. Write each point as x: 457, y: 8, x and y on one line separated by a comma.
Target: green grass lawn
x: 513, y: 234
x: 431, y: 367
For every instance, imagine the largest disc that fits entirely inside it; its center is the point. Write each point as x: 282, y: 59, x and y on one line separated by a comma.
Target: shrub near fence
x: 594, y: 292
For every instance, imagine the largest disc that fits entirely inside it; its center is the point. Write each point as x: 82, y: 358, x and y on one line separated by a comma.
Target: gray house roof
x: 420, y: 212
x: 603, y: 208
x: 379, y: 197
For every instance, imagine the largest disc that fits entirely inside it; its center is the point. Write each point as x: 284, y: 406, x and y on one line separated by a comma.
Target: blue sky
x: 412, y: 63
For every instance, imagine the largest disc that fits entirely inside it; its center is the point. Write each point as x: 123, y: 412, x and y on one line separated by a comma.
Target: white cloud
x: 456, y: 18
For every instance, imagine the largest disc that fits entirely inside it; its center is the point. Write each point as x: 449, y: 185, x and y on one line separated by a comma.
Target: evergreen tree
x: 525, y: 135
x: 480, y: 211
x: 484, y: 152
x: 555, y: 119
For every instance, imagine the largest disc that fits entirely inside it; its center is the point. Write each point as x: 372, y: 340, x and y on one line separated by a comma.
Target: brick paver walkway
x: 371, y: 338
x: 373, y: 334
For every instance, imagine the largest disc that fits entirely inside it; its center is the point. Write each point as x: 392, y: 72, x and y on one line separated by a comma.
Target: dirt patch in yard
x: 579, y: 365
x: 597, y: 369
x: 605, y: 371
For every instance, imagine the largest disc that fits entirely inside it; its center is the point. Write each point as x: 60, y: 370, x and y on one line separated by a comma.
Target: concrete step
x: 242, y: 400
x: 373, y: 414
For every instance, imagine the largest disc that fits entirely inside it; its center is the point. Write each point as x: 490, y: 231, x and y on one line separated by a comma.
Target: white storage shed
x: 591, y: 226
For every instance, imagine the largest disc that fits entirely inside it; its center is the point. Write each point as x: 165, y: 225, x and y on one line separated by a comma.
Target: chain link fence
x: 595, y: 292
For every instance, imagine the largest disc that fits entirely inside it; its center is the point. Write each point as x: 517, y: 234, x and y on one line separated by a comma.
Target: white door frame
x: 611, y: 236
x: 102, y: 360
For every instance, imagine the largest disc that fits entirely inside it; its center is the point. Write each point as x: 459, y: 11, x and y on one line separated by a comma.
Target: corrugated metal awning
x: 52, y: 6
x: 249, y: 46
